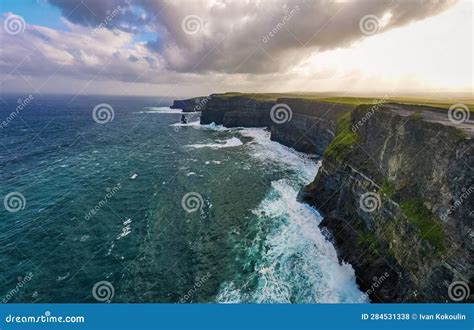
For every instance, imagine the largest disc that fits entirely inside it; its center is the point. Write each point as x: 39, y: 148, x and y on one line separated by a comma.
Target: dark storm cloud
x: 247, y: 36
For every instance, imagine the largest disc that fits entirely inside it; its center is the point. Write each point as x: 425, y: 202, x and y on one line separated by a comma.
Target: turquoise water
x: 105, y: 202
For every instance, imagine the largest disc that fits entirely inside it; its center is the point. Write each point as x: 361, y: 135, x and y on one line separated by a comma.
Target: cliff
x: 309, y: 128
x: 395, y: 187
x: 312, y: 125
x: 191, y: 105
x: 396, y: 194
x: 237, y: 111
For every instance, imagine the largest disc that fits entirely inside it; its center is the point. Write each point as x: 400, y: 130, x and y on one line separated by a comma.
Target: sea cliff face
x: 312, y: 125
x: 237, y: 111
x: 395, y: 190
x: 396, y: 194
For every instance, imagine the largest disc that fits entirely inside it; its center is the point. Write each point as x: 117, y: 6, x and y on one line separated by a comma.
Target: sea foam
x: 294, y: 262
x: 228, y: 143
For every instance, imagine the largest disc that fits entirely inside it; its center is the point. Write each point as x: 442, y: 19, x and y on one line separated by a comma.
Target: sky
x: 188, y: 48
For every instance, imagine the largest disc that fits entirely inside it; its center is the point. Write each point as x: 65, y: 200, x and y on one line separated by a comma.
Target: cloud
x: 246, y: 36
x: 92, y: 13
x: 213, y: 45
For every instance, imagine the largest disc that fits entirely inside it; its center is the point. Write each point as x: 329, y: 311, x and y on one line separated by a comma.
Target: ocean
x: 140, y: 208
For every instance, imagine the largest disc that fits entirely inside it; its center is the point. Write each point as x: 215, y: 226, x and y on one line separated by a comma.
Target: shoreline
x: 405, y: 240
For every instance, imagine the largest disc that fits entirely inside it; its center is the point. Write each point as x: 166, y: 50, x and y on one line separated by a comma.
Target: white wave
x: 266, y: 150
x: 127, y: 229
x: 167, y: 110
x: 193, y: 123
x: 228, y: 143
x: 217, y: 128
x: 62, y: 278
x: 297, y: 263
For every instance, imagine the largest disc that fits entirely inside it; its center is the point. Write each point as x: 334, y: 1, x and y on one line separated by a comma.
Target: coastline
x: 403, y: 248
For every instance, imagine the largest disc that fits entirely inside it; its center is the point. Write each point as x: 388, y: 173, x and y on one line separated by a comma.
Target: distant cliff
x: 194, y: 104
x: 395, y: 189
x: 310, y: 129
x: 237, y: 111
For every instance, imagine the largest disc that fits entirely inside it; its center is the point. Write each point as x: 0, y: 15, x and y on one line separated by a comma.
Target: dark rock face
x: 419, y: 229
x: 194, y: 104
x: 310, y: 129
x: 312, y: 125
x: 237, y: 111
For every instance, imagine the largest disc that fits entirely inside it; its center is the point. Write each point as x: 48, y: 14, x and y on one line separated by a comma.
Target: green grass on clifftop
x: 344, y: 139
x: 437, y: 104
